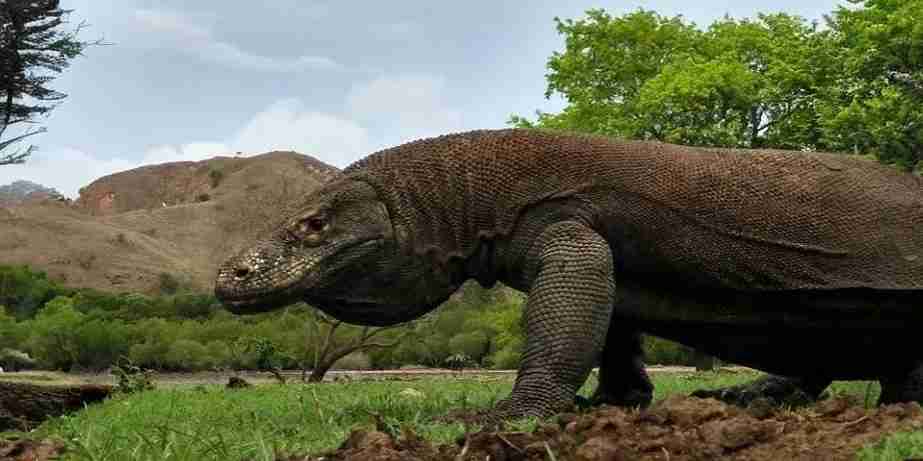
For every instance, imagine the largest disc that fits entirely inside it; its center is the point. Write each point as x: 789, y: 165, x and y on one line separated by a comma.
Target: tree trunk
x: 318, y: 373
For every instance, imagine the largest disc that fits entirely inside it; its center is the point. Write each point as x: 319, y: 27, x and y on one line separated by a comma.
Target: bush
x: 473, y: 344
x: 24, y: 291
x: 13, y: 360
x: 505, y: 359
x: 215, y: 177
x: 169, y: 284
x: 203, y: 197
x: 665, y: 352
x: 131, y: 378
x: 187, y: 355
x: 354, y: 361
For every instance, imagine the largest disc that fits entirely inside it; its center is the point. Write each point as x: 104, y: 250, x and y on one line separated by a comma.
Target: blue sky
x: 334, y: 79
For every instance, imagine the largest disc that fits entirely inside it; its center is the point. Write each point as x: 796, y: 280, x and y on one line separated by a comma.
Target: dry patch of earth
x: 678, y: 428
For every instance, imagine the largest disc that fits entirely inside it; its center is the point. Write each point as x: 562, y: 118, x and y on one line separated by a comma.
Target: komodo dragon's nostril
x: 241, y: 271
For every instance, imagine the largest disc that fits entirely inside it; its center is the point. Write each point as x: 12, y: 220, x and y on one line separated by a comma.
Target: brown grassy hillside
x: 119, y: 236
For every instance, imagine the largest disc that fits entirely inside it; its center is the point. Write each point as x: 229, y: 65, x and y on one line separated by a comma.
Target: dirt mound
x: 679, y: 428
x: 24, y: 406
x: 30, y: 450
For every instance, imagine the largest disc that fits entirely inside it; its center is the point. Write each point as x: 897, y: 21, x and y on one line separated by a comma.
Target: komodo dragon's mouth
x: 275, y: 298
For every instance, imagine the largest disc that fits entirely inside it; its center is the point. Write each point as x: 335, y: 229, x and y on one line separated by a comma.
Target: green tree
x: 54, y: 338
x: 740, y: 83
x: 875, y: 105
x: 8, y: 330
x: 33, y: 48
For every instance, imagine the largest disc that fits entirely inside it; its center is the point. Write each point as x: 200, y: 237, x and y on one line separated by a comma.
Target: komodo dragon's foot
x: 775, y: 390
x: 504, y: 411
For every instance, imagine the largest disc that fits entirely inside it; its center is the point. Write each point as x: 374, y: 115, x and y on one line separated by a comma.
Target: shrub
x: 14, y: 360
x: 354, y: 361
x: 215, y: 177
x: 203, y: 197
x: 168, y: 283
x: 473, y: 344
x: 130, y: 377
x: 187, y: 355
x: 505, y: 359
x: 665, y: 352
x: 85, y: 259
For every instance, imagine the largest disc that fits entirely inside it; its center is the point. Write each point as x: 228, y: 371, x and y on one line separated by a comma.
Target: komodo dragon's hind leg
x: 904, y: 386
x: 777, y: 390
x: 622, y: 378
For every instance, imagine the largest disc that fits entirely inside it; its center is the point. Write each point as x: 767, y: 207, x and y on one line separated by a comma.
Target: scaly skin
x: 804, y: 265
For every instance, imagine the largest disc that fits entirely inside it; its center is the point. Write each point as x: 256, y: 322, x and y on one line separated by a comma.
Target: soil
x: 678, y: 428
x: 29, y: 450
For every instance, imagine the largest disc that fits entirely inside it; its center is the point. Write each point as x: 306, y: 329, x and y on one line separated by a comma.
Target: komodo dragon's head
x: 338, y: 253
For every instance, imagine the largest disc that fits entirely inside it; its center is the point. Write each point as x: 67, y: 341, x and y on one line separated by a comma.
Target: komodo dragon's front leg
x: 566, y: 317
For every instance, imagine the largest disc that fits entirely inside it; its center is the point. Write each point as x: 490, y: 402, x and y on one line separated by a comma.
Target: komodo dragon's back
x: 742, y: 219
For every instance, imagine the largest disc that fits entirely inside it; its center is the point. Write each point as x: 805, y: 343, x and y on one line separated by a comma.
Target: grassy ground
x: 207, y: 422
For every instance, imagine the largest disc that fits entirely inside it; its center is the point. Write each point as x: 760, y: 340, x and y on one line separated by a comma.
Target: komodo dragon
x: 805, y: 265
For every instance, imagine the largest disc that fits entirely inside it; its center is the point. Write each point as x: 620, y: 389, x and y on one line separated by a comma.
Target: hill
x: 19, y: 192
x: 151, y: 226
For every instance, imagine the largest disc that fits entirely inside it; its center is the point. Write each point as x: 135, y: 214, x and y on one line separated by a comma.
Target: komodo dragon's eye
x: 308, y: 230
x: 315, y: 224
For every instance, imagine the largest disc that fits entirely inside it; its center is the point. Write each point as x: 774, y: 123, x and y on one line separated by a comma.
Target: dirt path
x: 256, y: 377
x: 676, y: 429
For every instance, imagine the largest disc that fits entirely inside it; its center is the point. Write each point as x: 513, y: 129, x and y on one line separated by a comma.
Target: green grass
x: 896, y: 447
x: 208, y: 422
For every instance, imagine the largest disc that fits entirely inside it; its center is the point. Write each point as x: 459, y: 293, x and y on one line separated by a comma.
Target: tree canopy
x: 33, y: 48
x: 777, y: 80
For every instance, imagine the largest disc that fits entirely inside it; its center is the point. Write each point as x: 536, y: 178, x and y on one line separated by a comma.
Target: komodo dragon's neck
x: 453, y: 199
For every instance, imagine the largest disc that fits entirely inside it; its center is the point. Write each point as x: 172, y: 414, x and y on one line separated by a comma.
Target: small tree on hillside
x: 33, y: 48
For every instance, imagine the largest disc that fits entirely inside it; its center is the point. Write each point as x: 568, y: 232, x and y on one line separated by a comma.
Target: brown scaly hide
x: 749, y: 220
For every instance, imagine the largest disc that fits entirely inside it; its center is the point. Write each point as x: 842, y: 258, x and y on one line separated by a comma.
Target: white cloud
x: 177, y: 31
x: 286, y: 125
x: 401, y: 108
x: 409, y: 106
x: 65, y: 169
x: 186, y: 153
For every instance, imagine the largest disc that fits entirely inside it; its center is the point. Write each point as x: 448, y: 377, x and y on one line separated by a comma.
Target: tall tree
x: 740, y: 83
x: 875, y: 106
x: 34, y: 47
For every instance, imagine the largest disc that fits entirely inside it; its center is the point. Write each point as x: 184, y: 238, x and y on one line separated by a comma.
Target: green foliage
x: 660, y: 351
x: 23, y: 291
x: 34, y: 47
x: 54, y: 334
x: 91, y: 330
x: 773, y: 81
x: 13, y: 360
x: 458, y: 362
x: 131, y: 378
x: 215, y: 177
x: 738, y: 83
x: 896, y: 447
x: 875, y: 105
x: 168, y: 283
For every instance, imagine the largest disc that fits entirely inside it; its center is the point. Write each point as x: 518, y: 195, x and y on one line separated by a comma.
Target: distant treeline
x: 89, y: 330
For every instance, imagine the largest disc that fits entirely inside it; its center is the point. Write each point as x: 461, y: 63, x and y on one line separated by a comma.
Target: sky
x: 334, y: 79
